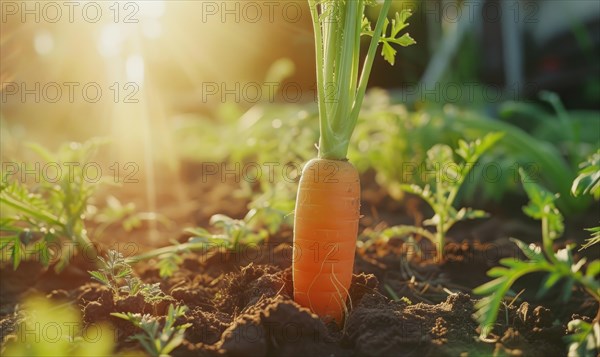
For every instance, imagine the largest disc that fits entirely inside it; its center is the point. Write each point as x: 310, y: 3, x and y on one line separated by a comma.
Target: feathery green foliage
x: 46, y: 219
x: 119, y: 277
x: 157, y: 340
x: 559, y: 266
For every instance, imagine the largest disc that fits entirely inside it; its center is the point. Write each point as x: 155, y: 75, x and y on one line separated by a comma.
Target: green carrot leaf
x: 588, y: 180
x: 398, y: 24
x: 389, y: 53
x: 541, y: 206
x: 531, y: 251
x: 593, y: 269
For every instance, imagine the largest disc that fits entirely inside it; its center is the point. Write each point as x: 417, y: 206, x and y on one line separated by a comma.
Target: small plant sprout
x: 442, y: 190
x: 254, y: 228
x: 235, y: 231
x: 231, y: 234
x: 118, y: 275
x: 155, y: 340
x: 441, y: 194
x: 588, y: 183
x: 53, y: 213
x: 559, y: 266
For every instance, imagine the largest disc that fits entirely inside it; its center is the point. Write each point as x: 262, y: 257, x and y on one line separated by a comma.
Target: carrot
x: 328, y: 200
x: 326, y: 221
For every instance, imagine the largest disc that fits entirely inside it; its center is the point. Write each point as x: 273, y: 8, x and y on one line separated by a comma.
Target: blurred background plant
x: 44, y: 219
x: 195, y: 103
x: 46, y: 328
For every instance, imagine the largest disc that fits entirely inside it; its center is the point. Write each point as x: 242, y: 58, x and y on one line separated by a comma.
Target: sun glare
x: 43, y: 42
x: 110, y: 41
x: 134, y: 69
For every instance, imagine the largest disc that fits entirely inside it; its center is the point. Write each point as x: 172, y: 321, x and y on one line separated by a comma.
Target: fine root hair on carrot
x: 340, y: 302
x: 312, y: 283
x: 342, y: 299
x: 336, y: 282
x: 331, y: 251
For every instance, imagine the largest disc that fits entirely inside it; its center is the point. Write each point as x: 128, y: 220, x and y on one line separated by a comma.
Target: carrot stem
x: 337, y: 30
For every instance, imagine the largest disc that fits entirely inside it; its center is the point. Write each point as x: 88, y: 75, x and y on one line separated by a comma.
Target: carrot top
x: 338, y: 27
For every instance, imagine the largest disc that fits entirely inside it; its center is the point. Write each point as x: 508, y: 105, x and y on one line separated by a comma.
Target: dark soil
x: 245, y: 308
x: 240, y: 303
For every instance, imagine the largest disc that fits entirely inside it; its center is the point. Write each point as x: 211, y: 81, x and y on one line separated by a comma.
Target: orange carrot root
x: 325, y: 231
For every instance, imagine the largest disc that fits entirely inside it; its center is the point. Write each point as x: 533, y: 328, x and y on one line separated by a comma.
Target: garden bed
x: 240, y: 302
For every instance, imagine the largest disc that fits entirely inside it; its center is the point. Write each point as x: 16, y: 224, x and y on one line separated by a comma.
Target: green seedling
x: 119, y: 277
x: 559, y: 266
x: 234, y: 232
x: 231, y: 235
x: 47, y: 220
x: 157, y: 340
x: 442, y: 190
x: 588, y: 183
